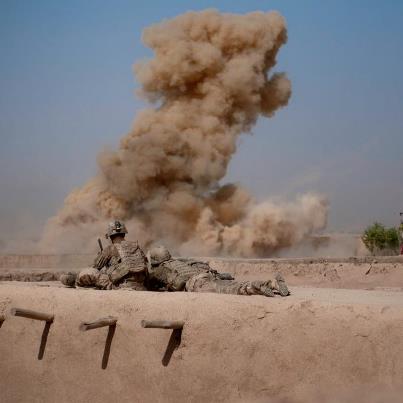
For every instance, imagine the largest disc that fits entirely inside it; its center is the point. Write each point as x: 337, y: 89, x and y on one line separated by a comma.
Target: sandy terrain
x: 353, y: 273
x: 319, y: 344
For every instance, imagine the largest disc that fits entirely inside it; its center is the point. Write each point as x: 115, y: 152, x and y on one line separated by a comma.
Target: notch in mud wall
x: 176, y: 335
x: 111, y: 323
x: 46, y: 317
x: 2, y: 319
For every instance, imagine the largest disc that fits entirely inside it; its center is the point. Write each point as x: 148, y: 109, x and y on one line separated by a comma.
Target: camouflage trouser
x: 101, y: 279
x: 209, y: 282
x: 91, y: 277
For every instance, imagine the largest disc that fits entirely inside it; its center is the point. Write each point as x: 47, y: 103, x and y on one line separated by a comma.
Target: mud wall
x: 77, y: 261
x: 232, y: 349
x: 44, y: 261
x: 359, y: 273
x: 334, y: 273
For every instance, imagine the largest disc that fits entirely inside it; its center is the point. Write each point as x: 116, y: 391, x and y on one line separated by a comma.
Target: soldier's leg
x: 69, y: 279
x: 281, y: 286
x: 207, y: 282
x: 256, y: 288
x: 203, y: 282
x: 87, y: 277
x: 104, y: 282
x: 277, y: 284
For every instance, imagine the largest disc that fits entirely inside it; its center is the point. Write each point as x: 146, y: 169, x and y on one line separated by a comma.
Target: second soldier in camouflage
x: 166, y: 273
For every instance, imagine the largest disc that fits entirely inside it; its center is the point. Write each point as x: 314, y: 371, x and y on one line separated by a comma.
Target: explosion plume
x: 210, y: 80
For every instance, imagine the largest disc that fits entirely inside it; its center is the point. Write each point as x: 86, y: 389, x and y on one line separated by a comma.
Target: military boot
x: 262, y: 288
x: 281, y: 286
x: 69, y: 279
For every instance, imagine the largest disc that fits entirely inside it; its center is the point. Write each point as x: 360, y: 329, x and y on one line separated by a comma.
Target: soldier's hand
x: 100, y: 261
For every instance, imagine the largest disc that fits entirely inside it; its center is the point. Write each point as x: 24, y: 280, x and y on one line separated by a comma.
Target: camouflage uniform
x: 170, y: 274
x: 119, y: 265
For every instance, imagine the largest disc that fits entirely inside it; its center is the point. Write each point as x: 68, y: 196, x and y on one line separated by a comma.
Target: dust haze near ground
x: 210, y: 79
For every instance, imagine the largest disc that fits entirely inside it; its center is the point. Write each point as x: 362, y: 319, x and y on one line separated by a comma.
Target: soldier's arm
x: 206, y: 266
x: 102, y: 259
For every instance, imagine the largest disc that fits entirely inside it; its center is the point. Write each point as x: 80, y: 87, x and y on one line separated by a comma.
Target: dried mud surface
x: 352, y: 273
x: 318, y: 345
x: 336, y: 338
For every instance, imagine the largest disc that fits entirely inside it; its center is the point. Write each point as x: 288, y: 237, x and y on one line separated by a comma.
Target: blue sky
x: 67, y: 91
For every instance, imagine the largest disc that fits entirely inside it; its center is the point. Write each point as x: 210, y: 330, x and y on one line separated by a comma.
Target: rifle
x: 100, y: 244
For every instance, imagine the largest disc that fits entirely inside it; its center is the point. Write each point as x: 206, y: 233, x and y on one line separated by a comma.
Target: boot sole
x: 282, y: 286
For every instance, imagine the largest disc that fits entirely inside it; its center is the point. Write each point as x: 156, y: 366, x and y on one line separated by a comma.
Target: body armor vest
x: 132, y: 261
x: 175, y: 273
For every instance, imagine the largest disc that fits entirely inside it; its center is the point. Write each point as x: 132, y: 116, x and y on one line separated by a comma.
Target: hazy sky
x: 67, y: 91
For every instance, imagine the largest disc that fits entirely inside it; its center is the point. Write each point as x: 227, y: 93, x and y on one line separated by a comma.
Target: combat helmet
x: 116, y: 228
x: 158, y: 255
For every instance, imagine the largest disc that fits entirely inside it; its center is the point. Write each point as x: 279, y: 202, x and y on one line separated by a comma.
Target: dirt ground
x: 337, y: 338
x: 351, y: 273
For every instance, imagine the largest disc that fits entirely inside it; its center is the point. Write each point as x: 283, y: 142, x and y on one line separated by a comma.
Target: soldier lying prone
x: 122, y: 264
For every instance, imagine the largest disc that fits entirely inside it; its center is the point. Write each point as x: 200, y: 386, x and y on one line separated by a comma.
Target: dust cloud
x: 208, y: 82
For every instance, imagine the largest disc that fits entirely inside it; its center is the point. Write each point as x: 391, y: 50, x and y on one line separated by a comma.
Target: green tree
x: 378, y: 238
x: 392, y: 239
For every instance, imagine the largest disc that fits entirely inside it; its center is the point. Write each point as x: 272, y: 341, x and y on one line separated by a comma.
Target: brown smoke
x: 210, y: 80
